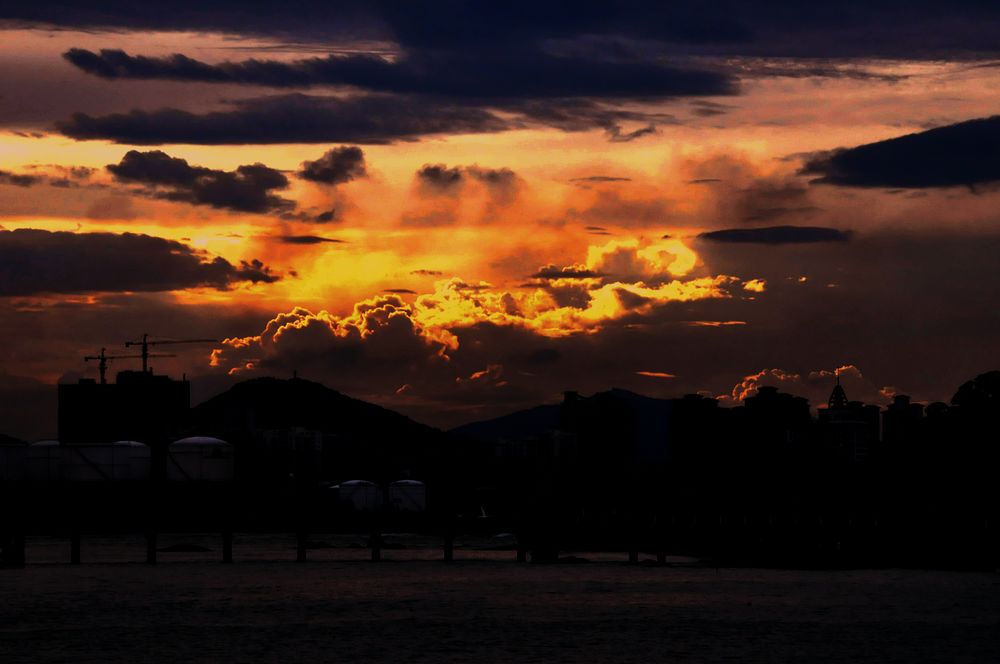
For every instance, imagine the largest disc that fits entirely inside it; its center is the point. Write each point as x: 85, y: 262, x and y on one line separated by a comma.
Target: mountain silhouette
x: 615, y: 416
x: 10, y: 440
x: 273, y: 403
x: 517, y: 425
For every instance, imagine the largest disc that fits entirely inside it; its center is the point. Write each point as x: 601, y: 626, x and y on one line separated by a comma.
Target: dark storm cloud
x: 601, y: 179
x: 64, y: 177
x: 368, y: 119
x: 307, y: 239
x: 441, y: 178
x: 921, y: 28
x: 963, y: 154
x: 778, y: 235
x: 36, y: 261
x: 501, y: 75
x: 247, y: 189
x: 336, y: 166
x: 617, y: 135
x: 569, y: 272
x: 19, y: 179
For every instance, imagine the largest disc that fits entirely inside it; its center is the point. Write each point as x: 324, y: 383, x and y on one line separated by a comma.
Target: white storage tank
x: 87, y: 463
x: 42, y: 460
x: 200, y: 459
x: 408, y: 496
x: 360, y: 495
x: 124, y: 461
x: 132, y: 461
x: 12, y: 462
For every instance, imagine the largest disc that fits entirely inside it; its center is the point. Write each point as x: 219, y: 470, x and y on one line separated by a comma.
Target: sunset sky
x: 457, y: 211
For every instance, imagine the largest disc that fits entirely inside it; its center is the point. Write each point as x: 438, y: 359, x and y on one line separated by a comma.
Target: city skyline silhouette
x: 485, y: 332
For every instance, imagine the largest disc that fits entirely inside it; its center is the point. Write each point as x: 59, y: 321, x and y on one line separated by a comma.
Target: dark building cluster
x: 766, y: 482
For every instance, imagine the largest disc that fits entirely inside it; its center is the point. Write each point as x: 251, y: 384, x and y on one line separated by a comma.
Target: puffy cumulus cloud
x: 455, y: 303
x: 848, y: 370
x: 37, y: 261
x: 247, y: 189
x: 336, y: 166
x: 749, y: 385
x: 380, y: 333
x: 568, y: 272
x: 424, y: 350
x: 641, y: 260
x: 815, y: 385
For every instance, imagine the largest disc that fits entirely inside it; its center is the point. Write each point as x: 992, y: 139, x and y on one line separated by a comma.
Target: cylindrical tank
x: 200, y: 459
x: 408, y: 496
x: 87, y: 463
x: 132, y: 461
x: 42, y: 461
x: 126, y: 460
x: 12, y: 462
x: 360, y: 495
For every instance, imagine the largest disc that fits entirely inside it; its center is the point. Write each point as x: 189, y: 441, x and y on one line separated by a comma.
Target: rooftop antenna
x: 144, y: 343
x: 103, y: 359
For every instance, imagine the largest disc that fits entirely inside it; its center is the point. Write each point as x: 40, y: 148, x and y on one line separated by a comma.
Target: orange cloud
x: 655, y: 374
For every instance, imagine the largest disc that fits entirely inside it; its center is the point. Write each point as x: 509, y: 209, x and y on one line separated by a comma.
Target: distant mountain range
x: 274, y: 403
x: 640, y: 420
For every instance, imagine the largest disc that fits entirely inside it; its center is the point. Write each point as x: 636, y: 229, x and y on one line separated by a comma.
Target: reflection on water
x: 412, y: 607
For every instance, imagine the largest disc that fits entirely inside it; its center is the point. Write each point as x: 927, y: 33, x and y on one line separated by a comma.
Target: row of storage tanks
x: 196, y: 459
x: 365, y: 496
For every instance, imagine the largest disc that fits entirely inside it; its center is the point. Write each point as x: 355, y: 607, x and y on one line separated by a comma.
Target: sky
x: 457, y: 210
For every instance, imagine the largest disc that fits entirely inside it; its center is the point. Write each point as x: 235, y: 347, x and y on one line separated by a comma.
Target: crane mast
x: 103, y: 358
x: 145, y: 342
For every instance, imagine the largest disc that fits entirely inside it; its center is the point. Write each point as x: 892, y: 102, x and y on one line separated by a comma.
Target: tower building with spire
x: 848, y: 428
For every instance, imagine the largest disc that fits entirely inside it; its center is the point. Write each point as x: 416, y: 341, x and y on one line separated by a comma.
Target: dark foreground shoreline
x: 483, y: 607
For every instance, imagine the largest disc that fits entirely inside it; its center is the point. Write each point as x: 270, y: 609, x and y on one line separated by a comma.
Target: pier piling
x: 74, y: 548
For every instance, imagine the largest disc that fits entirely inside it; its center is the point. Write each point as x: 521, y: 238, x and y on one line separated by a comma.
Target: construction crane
x: 144, y: 343
x: 103, y: 359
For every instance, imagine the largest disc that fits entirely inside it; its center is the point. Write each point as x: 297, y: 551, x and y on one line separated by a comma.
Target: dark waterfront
x: 483, y: 608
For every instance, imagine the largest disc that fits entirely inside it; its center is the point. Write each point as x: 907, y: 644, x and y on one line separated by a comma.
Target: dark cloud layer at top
x: 36, y: 261
x: 778, y: 235
x: 505, y: 75
x: 369, y: 119
x: 963, y: 154
x: 772, y: 27
x: 247, y: 189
